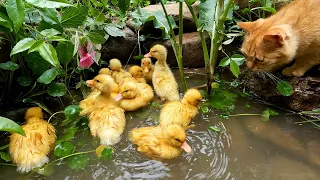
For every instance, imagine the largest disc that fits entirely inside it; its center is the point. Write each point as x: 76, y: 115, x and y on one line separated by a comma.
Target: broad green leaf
x: 123, y: 5
x: 32, y: 16
x: 24, y: 80
x: 49, y: 4
x: 96, y: 37
x: 204, y: 109
x: 285, y: 88
x: 65, y: 52
x: 10, y: 66
x: 48, y: 53
x: 63, y: 149
x: 141, y: 16
x: 5, y: 156
x: 160, y: 22
x: 10, y: 126
x: 234, y: 67
x: 57, y: 89
x: 48, y: 76
x: 78, y: 161
x: 50, y: 15
x: 57, y: 38
x: 68, y: 134
x: 72, y: 112
x: 46, y: 170
x: 49, y: 32
x: 104, y: 152
x: 207, y: 14
x: 224, y: 62
x: 4, y: 147
x: 22, y: 45
x: 74, y: 17
x: 214, y: 128
x: 15, y: 9
x: 114, y: 31
x: 223, y: 100
x: 76, y: 43
x: 190, y: 2
x: 36, y: 63
x: 44, y: 25
x: 239, y: 59
x: 5, y: 21
x: 35, y: 46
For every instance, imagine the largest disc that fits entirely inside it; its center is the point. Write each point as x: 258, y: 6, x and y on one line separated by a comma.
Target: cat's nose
x: 250, y: 64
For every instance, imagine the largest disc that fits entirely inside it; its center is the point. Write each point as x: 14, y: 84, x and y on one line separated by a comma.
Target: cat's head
x: 266, y: 46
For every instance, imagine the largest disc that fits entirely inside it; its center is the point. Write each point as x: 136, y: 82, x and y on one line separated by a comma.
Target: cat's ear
x: 276, y: 36
x: 247, y: 26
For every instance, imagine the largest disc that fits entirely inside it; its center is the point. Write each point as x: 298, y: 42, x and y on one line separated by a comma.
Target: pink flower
x: 85, y: 58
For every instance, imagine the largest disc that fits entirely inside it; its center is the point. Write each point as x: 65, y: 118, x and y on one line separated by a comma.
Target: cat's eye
x: 259, y: 60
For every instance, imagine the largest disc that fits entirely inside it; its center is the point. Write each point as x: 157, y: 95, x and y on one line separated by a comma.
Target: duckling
x: 32, y: 151
x: 115, y: 86
x: 133, y: 96
x: 181, y: 112
x: 102, y: 97
x: 148, y: 68
x: 105, y: 71
x: 116, y: 68
x: 160, y: 143
x: 163, y: 80
x: 137, y: 73
x: 106, y: 119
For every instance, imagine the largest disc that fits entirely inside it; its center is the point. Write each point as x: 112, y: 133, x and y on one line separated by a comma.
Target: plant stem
x: 85, y: 152
x: 59, y: 112
x: 7, y: 164
x: 233, y: 115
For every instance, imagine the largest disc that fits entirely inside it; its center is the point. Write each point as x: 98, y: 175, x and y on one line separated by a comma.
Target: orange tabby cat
x: 293, y: 32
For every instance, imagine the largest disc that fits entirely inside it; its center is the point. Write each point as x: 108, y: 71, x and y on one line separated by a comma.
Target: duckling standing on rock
x: 133, y: 96
x: 106, y: 119
x: 160, y: 143
x: 183, y: 112
x: 148, y: 68
x: 32, y: 151
x: 137, y: 73
x: 163, y: 80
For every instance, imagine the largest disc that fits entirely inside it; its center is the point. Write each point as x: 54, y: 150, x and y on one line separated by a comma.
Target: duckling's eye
x: 97, y: 81
x: 177, y: 140
x: 154, y: 51
x: 125, y: 91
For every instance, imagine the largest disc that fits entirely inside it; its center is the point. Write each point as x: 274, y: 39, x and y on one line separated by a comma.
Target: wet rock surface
x: 306, y: 94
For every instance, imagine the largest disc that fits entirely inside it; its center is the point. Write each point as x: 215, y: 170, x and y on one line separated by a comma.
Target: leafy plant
x: 10, y: 126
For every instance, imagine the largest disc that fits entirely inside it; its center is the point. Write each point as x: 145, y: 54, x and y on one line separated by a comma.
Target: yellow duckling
x: 106, y: 119
x: 148, y: 68
x: 160, y: 143
x: 137, y: 73
x: 32, y: 151
x: 133, y: 96
x: 107, y: 71
x: 163, y: 80
x: 183, y: 112
x: 101, y: 98
x: 116, y: 68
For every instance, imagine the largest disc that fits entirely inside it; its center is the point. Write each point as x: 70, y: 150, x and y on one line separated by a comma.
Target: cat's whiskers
x: 274, y: 78
x: 262, y: 75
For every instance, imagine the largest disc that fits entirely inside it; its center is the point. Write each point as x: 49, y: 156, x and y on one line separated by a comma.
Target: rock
x: 173, y: 10
x: 120, y: 47
x: 306, y: 94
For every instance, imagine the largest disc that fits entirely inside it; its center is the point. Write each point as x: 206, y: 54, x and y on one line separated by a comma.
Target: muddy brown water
x: 249, y: 149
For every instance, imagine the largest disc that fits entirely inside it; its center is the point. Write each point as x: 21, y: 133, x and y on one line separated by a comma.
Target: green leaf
x: 5, y: 156
x: 11, y: 66
x: 190, y: 2
x: 44, y: 25
x: 74, y: 17
x: 161, y: 22
x: 63, y: 149
x: 10, y: 126
x: 214, y: 128
x: 49, y: 4
x: 49, y: 32
x: 48, y: 53
x: 285, y: 88
x: 57, y: 38
x: 239, y: 59
x: 57, y: 89
x: 234, y: 67
x: 65, y: 52
x: 22, y: 45
x: 96, y: 37
x: 224, y: 62
x: 266, y: 115
x: 15, y: 9
x: 32, y: 16
x: 204, y: 109
x: 78, y: 161
x: 76, y: 43
x: 68, y: 134
x: 48, y: 76
x: 72, y: 112
x: 4, y: 147
x: 141, y: 16
x: 107, y: 153
x: 123, y: 5
x: 223, y: 100
x: 50, y: 15
x: 5, y: 21
x: 46, y: 170
x: 207, y: 14
x: 36, y: 46
x: 36, y: 63
x: 24, y: 80
x: 272, y: 112
x: 114, y: 31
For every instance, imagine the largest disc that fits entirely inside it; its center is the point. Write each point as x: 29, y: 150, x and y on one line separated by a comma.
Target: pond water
x: 249, y: 149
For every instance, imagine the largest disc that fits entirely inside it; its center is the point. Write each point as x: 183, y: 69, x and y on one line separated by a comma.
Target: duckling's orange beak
x: 118, y: 97
x: 148, y: 55
x: 89, y: 83
x: 185, y: 146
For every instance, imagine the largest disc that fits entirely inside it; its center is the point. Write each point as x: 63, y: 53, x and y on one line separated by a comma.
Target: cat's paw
x: 287, y: 72
x: 293, y: 72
